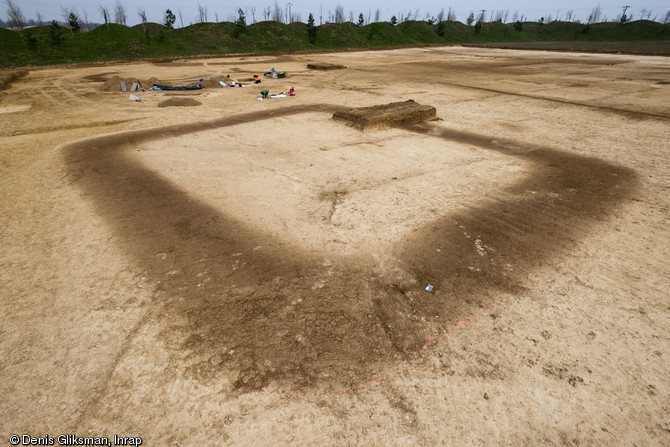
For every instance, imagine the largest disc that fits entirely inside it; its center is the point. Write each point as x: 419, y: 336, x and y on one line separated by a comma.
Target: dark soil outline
x: 541, y: 217
x: 635, y: 114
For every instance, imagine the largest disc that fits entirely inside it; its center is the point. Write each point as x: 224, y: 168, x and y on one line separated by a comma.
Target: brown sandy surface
x: 253, y: 272
x: 640, y: 47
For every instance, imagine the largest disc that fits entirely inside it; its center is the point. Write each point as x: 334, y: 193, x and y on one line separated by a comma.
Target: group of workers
x: 257, y: 80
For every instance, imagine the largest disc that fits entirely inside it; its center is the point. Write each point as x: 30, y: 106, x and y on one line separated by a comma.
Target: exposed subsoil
x: 383, y: 116
x: 660, y: 48
x: 254, y: 272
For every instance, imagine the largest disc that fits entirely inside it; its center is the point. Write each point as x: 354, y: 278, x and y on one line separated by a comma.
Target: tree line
x: 77, y: 21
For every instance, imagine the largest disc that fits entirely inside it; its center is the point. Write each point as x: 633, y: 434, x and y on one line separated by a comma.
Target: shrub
x: 56, y: 34
x: 31, y: 40
x: 240, y: 23
x: 311, y: 29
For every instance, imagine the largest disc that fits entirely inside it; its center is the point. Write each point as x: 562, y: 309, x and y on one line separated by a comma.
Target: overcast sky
x: 225, y: 10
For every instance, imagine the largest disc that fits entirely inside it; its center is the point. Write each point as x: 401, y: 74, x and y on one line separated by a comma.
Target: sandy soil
x: 245, y: 272
x: 640, y: 47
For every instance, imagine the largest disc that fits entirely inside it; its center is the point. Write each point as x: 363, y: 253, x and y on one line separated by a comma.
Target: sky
x: 227, y: 10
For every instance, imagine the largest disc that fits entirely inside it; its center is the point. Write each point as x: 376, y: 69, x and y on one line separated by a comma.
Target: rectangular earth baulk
x: 325, y: 66
x: 386, y: 115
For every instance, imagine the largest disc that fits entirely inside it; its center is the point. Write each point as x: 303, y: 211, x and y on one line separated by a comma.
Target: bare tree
x: 266, y: 13
x: 645, y: 13
x: 498, y: 16
x: 278, y: 13
x: 666, y: 18
x: 451, y: 15
x: 253, y: 14
x: 40, y: 19
x: 377, y: 15
x: 515, y: 16
x: 367, y: 19
x: 297, y: 17
x: 142, y: 14
x: 105, y: 14
x: 181, y: 17
x: 569, y: 16
x: 416, y: 14
x: 120, y: 15
x: 216, y: 17
x: 505, y: 16
x: 440, y: 16
x: 17, y: 20
x: 596, y: 14
x: 202, y: 13
x: 339, y: 14
x: 88, y: 24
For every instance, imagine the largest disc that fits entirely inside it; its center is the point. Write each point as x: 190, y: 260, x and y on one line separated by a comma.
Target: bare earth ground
x: 641, y: 47
x: 247, y: 272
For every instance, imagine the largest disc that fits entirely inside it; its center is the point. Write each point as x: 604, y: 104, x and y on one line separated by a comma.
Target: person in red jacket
x: 291, y: 92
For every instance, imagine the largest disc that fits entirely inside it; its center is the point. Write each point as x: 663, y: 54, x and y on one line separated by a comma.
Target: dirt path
x: 249, y: 272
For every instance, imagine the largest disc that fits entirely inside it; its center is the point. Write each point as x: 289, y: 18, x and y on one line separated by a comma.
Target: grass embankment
x: 117, y: 42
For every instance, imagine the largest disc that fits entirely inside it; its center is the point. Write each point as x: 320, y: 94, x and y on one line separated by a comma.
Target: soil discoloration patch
x: 179, y: 102
x: 387, y: 115
x: 248, y: 311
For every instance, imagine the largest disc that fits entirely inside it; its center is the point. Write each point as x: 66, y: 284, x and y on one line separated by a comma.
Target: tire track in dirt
x: 248, y: 311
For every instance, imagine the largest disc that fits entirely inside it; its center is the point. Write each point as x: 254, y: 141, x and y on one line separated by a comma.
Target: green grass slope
x: 116, y: 42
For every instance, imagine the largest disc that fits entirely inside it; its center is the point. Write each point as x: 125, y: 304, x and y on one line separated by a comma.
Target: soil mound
x: 213, y: 81
x: 113, y: 84
x: 325, y: 66
x: 9, y: 76
x: 179, y: 102
x: 386, y: 115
